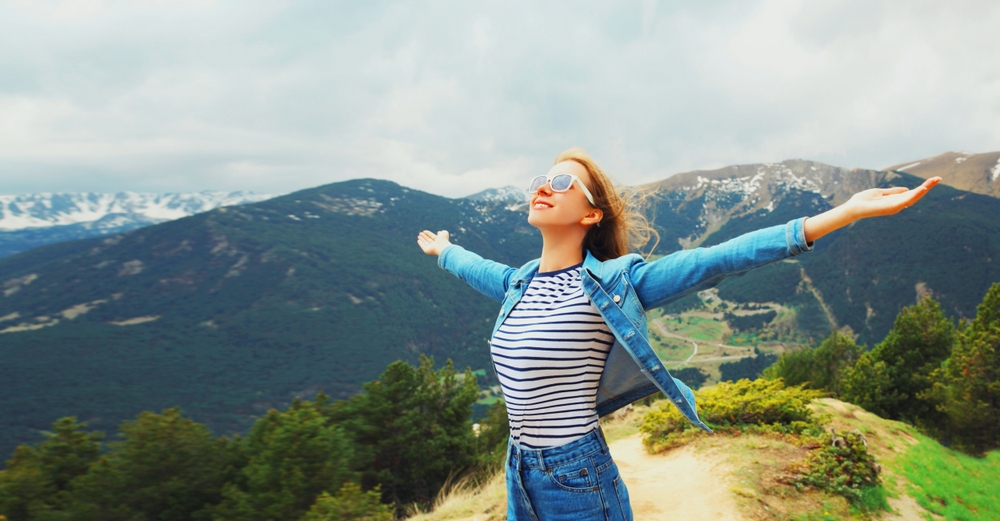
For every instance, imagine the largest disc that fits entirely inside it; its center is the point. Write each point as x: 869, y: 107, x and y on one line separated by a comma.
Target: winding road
x: 688, y: 360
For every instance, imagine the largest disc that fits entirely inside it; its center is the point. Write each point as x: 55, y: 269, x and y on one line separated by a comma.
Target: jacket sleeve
x: 485, y: 276
x: 680, y: 273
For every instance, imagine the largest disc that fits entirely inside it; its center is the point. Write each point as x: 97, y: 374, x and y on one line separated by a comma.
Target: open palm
x: 433, y: 243
x: 887, y: 201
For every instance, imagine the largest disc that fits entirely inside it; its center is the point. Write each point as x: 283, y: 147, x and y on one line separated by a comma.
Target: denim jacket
x: 622, y: 289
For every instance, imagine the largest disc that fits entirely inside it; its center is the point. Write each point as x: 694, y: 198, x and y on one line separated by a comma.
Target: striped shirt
x: 549, y: 354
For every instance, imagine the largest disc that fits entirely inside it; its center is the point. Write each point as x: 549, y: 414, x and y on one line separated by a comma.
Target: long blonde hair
x: 624, y: 226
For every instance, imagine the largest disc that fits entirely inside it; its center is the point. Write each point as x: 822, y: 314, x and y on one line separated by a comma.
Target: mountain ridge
x: 32, y: 220
x: 977, y: 173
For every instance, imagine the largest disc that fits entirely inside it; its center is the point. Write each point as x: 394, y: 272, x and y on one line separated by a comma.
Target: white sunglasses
x: 560, y: 183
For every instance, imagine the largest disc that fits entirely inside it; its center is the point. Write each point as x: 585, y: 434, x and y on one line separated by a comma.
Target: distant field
x: 699, y: 328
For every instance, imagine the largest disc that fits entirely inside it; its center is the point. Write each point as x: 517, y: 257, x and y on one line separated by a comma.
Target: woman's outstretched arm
x: 680, y: 273
x: 869, y: 203
x: 485, y: 276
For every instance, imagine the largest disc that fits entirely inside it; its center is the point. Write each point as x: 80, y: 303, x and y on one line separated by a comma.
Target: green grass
x: 952, y: 484
x: 668, y: 348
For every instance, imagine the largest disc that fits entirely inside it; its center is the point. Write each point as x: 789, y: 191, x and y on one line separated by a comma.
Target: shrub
x: 491, y: 441
x: 350, y: 504
x: 758, y: 404
x: 842, y: 465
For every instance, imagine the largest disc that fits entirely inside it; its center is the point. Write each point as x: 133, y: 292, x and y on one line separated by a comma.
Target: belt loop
x: 514, y: 453
x: 541, y: 461
x: 600, y: 437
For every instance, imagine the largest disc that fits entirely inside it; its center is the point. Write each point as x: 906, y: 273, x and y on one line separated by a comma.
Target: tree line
x: 366, y: 458
x: 940, y: 376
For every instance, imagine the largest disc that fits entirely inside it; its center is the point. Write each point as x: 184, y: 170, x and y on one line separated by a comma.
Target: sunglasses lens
x: 536, y: 183
x: 561, y: 182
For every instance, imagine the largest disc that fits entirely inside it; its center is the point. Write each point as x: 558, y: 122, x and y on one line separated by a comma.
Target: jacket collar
x: 526, y: 272
x: 592, y: 265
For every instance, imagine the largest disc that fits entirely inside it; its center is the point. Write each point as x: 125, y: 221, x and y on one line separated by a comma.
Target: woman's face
x: 569, y: 208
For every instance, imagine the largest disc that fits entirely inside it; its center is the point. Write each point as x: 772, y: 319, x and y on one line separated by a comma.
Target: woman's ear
x: 594, y: 216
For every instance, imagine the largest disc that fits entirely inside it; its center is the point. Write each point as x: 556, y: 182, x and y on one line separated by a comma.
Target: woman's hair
x: 624, y: 225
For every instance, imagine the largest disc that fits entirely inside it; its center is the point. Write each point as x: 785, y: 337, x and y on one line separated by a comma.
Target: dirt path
x: 682, y: 484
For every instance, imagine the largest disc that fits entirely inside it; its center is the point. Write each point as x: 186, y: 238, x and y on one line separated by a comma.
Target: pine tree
x: 286, y: 461
x: 967, y: 386
x: 868, y: 385
x: 921, y: 338
x: 411, y: 429
x: 36, y: 482
x: 166, y: 467
x: 821, y: 367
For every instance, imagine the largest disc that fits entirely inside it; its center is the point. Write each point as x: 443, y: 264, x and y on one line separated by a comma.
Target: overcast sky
x: 455, y: 97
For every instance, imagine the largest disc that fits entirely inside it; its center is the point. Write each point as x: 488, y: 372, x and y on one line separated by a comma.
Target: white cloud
x: 454, y: 97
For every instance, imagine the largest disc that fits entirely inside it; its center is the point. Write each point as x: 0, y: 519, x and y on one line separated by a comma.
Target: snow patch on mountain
x: 996, y: 170
x: 22, y: 212
x: 507, y: 194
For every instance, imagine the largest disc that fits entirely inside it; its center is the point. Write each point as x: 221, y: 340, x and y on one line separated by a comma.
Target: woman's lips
x: 541, y: 204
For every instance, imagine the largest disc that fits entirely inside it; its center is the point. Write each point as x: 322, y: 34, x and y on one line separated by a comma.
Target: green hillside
x: 866, y: 273
x: 241, y: 309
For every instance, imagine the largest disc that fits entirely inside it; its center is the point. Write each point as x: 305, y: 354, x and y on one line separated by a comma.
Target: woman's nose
x: 545, y: 189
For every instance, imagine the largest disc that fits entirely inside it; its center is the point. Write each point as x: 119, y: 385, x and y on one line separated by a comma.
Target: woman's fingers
x: 922, y: 190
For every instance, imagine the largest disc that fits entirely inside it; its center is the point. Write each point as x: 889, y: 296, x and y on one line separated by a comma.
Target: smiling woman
x: 571, y: 344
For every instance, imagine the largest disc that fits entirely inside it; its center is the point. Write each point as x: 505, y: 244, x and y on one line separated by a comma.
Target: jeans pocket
x: 579, y: 476
x: 623, y: 500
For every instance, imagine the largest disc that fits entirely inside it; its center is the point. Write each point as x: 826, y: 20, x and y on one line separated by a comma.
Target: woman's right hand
x: 433, y: 243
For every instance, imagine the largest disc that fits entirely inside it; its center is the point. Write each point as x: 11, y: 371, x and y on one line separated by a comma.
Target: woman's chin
x: 543, y: 222
x: 536, y: 219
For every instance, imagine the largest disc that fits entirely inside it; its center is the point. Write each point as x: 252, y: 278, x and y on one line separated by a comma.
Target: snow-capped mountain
x: 28, y: 221
x: 18, y: 212
x: 704, y: 201
x: 508, y: 197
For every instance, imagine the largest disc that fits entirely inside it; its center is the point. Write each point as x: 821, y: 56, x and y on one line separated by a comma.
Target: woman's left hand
x: 870, y: 203
x: 887, y: 201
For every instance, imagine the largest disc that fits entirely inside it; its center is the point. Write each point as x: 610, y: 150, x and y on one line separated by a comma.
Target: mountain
x: 510, y: 196
x: 977, y: 173
x: 29, y: 221
x: 859, y: 277
x: 232, y: 311
x: 235, y: 310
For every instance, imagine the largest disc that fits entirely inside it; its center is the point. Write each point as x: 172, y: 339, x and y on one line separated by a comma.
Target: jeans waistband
x: 551, y: 457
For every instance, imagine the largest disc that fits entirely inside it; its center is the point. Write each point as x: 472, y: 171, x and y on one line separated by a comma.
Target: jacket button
x: 617, y: 299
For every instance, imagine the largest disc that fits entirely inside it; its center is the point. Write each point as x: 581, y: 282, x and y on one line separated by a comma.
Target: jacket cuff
x: 441, y: 256
x: 795, y: 234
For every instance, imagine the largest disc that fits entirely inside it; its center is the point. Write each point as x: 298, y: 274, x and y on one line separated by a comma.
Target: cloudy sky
x: 454, y: 97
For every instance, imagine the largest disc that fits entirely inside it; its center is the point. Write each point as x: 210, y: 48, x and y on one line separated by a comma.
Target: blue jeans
x: 577, y: 481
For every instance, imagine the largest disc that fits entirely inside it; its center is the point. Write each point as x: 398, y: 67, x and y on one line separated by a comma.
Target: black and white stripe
x: 549, y: 354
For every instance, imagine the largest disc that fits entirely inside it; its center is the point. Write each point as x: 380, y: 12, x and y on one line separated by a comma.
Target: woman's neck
x: 560, y: 249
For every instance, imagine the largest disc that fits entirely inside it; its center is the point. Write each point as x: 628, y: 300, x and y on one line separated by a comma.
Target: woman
x: 571, y: 344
